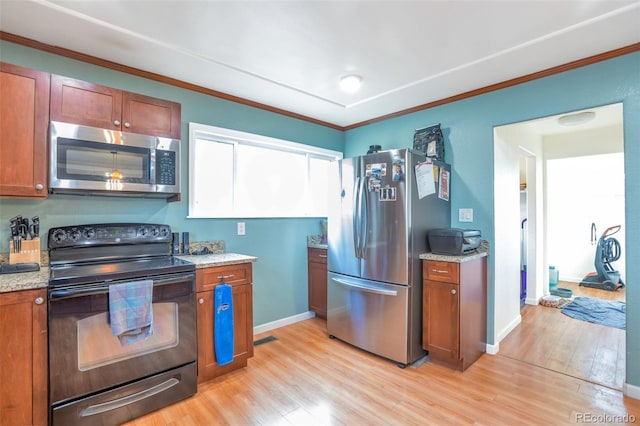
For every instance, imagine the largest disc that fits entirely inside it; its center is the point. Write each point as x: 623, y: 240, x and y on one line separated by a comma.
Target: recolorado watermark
x: 604, y: 418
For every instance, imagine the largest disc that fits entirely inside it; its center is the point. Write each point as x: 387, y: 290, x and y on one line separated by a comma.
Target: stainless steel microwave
x: 87, y: 159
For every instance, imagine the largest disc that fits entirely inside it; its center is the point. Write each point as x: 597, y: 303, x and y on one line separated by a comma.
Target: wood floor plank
x: 547, y: 338
x: 305, y: 378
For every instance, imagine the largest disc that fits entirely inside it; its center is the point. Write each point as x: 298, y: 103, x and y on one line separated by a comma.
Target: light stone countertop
x: 315, y: 241
x: 481, y: 251
x: 219, y: 259
x: 24, y: 280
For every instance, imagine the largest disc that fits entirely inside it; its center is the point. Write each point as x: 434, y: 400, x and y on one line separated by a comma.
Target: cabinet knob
x: 453, y: 291
x: 116, y: 123
x: 39, y: 301
x: 201, y: 301
x: 39, y: 187
x: 127, y: 124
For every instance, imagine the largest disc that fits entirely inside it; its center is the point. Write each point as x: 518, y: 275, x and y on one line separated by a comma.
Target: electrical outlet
x: 241, y: 229
x: 465, y: 215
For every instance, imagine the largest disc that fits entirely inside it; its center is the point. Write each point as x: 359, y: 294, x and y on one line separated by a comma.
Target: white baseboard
x: 282, y: 322
x: 493, y: 349
x: 631, y: 391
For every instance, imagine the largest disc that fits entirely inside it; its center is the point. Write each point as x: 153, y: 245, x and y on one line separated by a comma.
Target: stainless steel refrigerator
x: 378, y: 223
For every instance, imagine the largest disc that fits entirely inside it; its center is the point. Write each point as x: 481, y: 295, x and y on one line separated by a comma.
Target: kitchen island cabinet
x: 317, y: 269
x: 454, y: 312
x: 89, y: 104
x: 23, y: 360
x: 239, y: 276
x: 24, y: 108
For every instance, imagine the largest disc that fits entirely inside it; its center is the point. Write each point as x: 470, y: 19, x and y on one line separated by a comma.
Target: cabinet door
x: 208, y: 368
x: 441, y: 335
x: 23, y: 361
x: 80, y: 102
x: 317, y: 265
x: 150, y: 116
x: 24, y: 112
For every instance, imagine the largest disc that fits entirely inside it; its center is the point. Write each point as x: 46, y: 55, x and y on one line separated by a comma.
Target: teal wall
x: 468, y: 129
x: 280, y: 274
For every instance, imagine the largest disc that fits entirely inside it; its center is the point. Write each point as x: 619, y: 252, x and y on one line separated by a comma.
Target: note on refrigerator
x: 424, y: 179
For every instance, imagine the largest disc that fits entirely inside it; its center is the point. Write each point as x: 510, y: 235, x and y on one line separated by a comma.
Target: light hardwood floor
x: 305, y: 378
x: 547, y: 338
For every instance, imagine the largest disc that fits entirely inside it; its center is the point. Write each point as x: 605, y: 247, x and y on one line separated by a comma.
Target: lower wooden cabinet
x: 454, y: 311
x: 240, y: 278
x: 317, y: 266
x: 23, y: 358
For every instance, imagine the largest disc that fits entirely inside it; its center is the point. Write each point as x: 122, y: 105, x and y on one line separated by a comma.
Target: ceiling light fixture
x: 578, y: 118
x: 350, y: 83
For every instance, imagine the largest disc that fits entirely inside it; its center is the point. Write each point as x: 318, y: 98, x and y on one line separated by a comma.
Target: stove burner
x: 83, y: 254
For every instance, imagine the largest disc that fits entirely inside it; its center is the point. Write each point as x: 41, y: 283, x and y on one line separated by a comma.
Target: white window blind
x: 237, y: 174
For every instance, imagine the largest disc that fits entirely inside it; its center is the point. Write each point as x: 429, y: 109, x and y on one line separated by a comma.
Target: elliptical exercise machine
x: 607, y: 251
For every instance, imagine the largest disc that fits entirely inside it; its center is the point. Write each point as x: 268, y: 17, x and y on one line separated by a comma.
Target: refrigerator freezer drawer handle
x: 365, y: 287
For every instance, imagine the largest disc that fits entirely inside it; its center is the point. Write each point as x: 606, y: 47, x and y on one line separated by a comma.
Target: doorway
x: 528, y: 148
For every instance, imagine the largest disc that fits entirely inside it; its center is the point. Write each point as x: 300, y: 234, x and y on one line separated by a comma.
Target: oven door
x: 84, y: 356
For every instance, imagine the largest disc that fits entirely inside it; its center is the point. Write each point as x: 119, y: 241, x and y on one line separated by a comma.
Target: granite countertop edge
x: 219, y: 259
x: 481, y: 251
x: 316, y: 241
x: 452, y: 258
x: 25, y: 280
x: 40, y: 279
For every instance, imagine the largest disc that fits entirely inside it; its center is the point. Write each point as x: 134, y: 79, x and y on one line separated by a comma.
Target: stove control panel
x: 108, y: 234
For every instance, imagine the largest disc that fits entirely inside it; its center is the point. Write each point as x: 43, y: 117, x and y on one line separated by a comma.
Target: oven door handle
x: 104, y: 288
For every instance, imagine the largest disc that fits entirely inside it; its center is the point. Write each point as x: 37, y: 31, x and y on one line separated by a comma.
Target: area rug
x: 598, y: 311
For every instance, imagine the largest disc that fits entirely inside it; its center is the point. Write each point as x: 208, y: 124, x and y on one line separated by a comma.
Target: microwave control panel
x: 165, y: 167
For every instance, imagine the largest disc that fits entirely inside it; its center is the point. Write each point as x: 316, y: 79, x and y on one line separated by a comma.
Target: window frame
x: 236, y: 138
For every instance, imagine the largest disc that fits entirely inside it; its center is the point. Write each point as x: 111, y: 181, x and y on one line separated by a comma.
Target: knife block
x: 29, y: 252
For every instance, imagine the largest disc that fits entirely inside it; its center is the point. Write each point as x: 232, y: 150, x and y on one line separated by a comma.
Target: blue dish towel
x: 223, y: 324
x: 131, y: 310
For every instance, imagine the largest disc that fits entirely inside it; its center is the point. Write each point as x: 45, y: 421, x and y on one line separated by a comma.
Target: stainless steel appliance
x: 87, y: 159
x: 377, y: 228
x: 94, y: 379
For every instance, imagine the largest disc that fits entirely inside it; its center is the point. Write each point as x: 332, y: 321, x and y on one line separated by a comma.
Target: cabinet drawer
x: 208, y: 278
x: 448, y: 272
x: 317, y: 255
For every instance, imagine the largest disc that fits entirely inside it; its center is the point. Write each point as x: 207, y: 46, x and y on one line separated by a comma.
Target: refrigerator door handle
x: 356, y: 218
x: 364, y: 217
x: 364, y: 287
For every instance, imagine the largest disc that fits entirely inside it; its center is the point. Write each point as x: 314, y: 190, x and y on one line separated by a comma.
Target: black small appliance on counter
x: 453, y: 241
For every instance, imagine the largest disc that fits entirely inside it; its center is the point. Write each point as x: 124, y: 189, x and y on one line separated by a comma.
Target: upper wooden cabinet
x: 89, y: 104
x: 24, y: 119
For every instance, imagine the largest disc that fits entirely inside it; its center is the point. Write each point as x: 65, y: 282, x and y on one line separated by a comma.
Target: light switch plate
x: 465, y: 215
x: 241, y: 229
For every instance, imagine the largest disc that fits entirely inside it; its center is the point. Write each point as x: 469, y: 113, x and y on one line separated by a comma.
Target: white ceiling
x: 290, y: 54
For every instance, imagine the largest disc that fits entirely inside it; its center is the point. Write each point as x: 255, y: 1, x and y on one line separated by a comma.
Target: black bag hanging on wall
x: 430, y: 142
